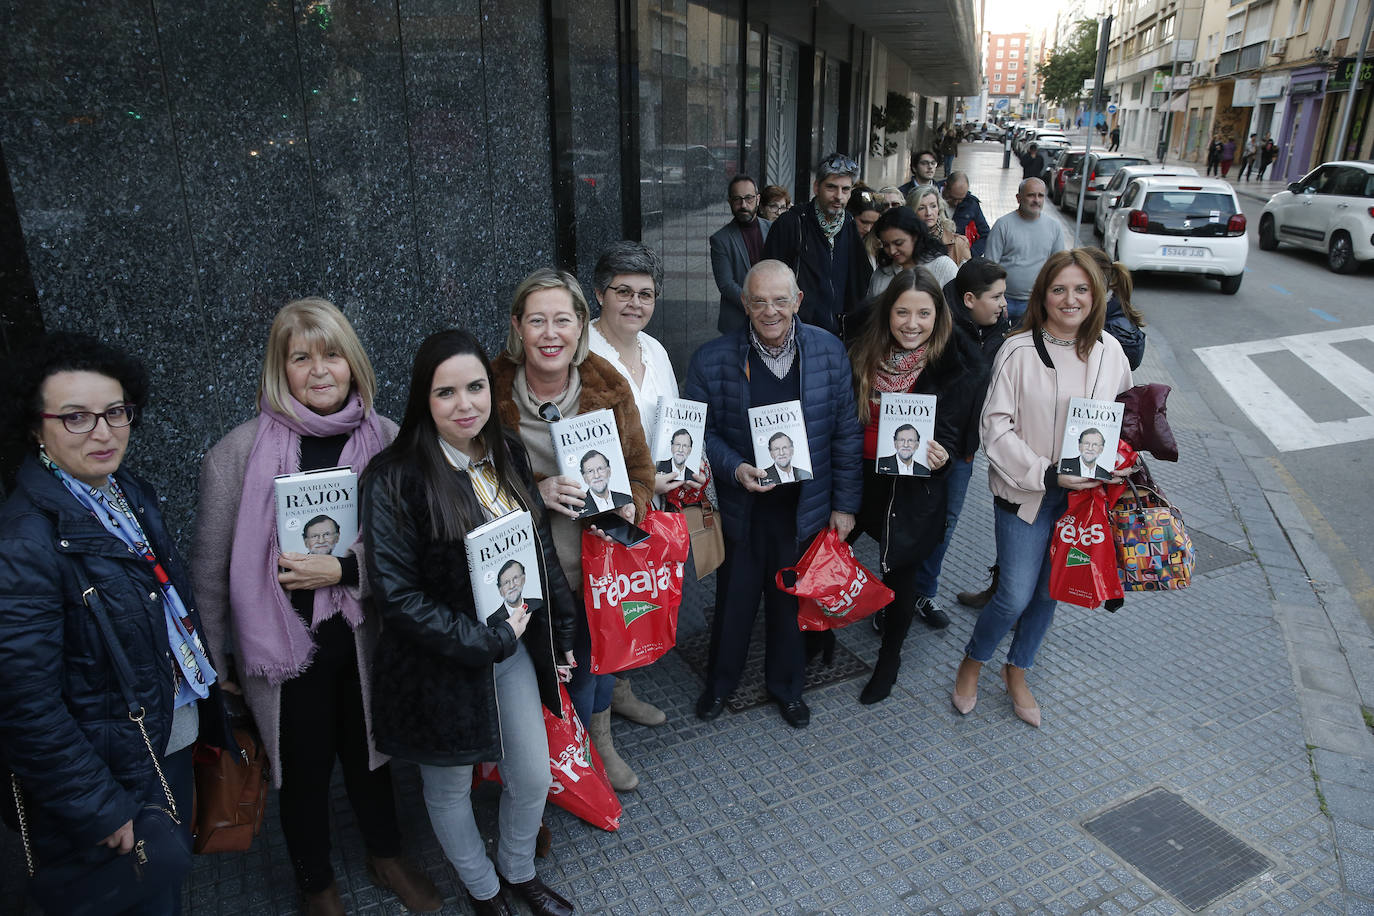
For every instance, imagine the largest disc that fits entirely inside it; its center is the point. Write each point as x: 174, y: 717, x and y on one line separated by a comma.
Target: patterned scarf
x: 899, y: 371
x: 272, y: 640
x: 830, y: 225
x: 778, y: 359
x: 191, y: 673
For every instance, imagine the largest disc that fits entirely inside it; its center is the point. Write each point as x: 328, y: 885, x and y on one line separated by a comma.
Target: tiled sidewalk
x: 906, y: 807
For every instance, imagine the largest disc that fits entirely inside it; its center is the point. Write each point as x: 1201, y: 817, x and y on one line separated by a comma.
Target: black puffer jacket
x: 986, y: 341
x: 906, y: 515
x: 433, y: 692
x: 64, y: 728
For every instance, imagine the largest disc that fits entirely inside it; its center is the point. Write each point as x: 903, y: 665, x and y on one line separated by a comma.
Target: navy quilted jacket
x: 717, y: 376
x: 64, y: 728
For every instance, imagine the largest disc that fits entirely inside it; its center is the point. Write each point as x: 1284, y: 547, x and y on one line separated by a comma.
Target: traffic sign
x: 1002, y: 103
x: 1111, y: 108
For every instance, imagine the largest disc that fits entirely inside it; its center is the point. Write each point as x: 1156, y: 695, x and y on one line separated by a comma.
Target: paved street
x: 1202, y: 750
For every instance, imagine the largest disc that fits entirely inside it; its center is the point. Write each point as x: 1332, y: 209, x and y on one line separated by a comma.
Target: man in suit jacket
x: 736, y: 247
x: 599, y: 497
x: 782, y: 470
x: 510, y: 582
x: 1091, y: 442
x: 681, y: 445
x: 904, y: 462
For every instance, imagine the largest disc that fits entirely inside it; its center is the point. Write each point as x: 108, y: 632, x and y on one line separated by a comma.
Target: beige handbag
x: 708, y: 544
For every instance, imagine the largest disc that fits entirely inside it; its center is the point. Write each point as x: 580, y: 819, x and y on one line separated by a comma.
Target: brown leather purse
x: 708, y: 544
x: 231, y: 795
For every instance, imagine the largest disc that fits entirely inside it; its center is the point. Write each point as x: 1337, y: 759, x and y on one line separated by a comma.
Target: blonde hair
x: 548, y: 278
x: 318, y: 323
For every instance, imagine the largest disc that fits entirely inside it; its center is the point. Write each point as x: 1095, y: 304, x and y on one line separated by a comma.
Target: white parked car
x: 1330, y: 210
x: 1180, y: 225
x: 1112, y: 192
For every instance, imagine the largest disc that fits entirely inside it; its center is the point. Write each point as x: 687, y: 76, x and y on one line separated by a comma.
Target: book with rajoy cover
x: 679, y: 434
x: 906, y: 424
x: 1090, y: 438
x: 778, y: 432
x: 317, y: 511
x: 503, y: 564
x: 587, y: 449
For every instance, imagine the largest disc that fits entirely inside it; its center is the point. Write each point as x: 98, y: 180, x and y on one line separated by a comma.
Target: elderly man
x: 736, y: 247
x: 821, y: 244
x: 1021, y: 241
x: 964, y: 208
x: 767, y: 525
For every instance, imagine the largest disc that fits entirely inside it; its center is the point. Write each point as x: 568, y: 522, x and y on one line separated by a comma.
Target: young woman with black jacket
x: 449, y: 690
x: 908, y: 344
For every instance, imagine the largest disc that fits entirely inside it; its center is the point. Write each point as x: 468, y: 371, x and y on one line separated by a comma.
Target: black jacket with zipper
x: 906, y: 515
x: 433, y: 690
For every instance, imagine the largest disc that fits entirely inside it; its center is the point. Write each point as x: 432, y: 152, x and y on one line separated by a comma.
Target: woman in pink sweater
x: 1059, y: 352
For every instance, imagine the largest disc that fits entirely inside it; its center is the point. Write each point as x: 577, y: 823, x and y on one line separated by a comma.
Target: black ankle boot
x: 884, y: 676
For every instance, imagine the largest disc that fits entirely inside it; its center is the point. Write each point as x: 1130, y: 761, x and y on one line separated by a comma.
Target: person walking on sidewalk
x: 1228, y: 156
x: 1247, y: 158
x: 1060, y: 352
x: 1116, y: 140
x: 1268, y: 153
x: 1213, y: 156
x: 909, y: 345
x: 451, y: 686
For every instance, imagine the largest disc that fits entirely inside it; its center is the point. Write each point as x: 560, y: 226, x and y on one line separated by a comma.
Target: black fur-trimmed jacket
x: 433, y: 690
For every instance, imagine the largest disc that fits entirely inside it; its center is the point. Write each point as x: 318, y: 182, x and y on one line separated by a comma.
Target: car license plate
x: 1175, y: 251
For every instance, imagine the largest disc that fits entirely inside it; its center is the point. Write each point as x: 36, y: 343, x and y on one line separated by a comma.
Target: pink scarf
x: 272, y: 640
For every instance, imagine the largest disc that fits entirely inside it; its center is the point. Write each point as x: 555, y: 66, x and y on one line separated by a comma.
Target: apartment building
x: 1183, y: 71
x: 1006, y: 65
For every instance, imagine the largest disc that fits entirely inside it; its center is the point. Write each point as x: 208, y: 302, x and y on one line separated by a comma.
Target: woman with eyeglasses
x: 547, y: 373
x: 452, y: 687
x: 303, y: 643
x: 931, y: 209
x: 906, y: 245
x: 81, y: 536
x: 774, y: 201
x: 629, y: 279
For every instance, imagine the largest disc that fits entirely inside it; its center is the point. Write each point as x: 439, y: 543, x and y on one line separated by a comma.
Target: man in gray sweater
x: 1020, y: 241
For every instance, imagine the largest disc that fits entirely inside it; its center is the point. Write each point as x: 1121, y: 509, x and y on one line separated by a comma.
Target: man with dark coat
x: 766, y: 526
x: 1032, y: 162
x: 820, y: 243
x: 736, y: 247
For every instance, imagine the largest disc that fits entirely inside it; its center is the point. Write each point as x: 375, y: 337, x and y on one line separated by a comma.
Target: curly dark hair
x: 66, y: 351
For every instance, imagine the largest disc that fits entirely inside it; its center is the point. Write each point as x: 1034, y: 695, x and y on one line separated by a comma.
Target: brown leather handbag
x: 231, y: 795
x: 708, y: 544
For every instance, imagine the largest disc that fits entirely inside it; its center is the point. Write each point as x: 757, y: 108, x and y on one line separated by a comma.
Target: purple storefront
x: 1306, y: 90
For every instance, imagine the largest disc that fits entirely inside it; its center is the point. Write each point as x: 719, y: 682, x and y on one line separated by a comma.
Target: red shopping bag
x: 580, y: 785
x: 971, y: 232
x: 834, y: 588
x: 1082, y: 555
x: 632, y: 594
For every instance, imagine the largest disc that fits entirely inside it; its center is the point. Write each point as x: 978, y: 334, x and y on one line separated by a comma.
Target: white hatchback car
x: 1180, y: 225
x: 1111, y: 194
x: 1330, y: 210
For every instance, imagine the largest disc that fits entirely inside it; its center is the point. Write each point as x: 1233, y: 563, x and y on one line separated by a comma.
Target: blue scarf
x: 192, y: 674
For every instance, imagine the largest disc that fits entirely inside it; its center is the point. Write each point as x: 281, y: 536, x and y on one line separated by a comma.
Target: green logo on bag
x: 633, y: 610
x: 1077, y: 558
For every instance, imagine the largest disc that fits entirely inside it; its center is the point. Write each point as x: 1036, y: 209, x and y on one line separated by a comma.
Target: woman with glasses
x: 82, y: 535
x: 302, y: 641
x: 546, y: 373
x: 453, y: 687
x: 931, y: 209
x: 906, y: 245
x: 629, y: 280
x: 774, y: 201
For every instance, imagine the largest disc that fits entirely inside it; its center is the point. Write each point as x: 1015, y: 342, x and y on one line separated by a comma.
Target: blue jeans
x: 525, y: 776
x: 1016, y: 310
x: 956, y: 486
x: 1023, y: 589
x: 590, y: 693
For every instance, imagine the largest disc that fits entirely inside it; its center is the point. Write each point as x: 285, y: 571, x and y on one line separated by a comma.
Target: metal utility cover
x: 1186, y: 854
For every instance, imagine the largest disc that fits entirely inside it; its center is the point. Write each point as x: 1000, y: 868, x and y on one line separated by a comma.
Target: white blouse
x: 659, y: 379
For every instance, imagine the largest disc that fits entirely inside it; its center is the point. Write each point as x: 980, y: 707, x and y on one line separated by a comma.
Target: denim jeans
x: 1016, y: 310
x: 590, y: 693
x: 525, y: 777
x: 1023, y: 589
x: 956, y: 484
